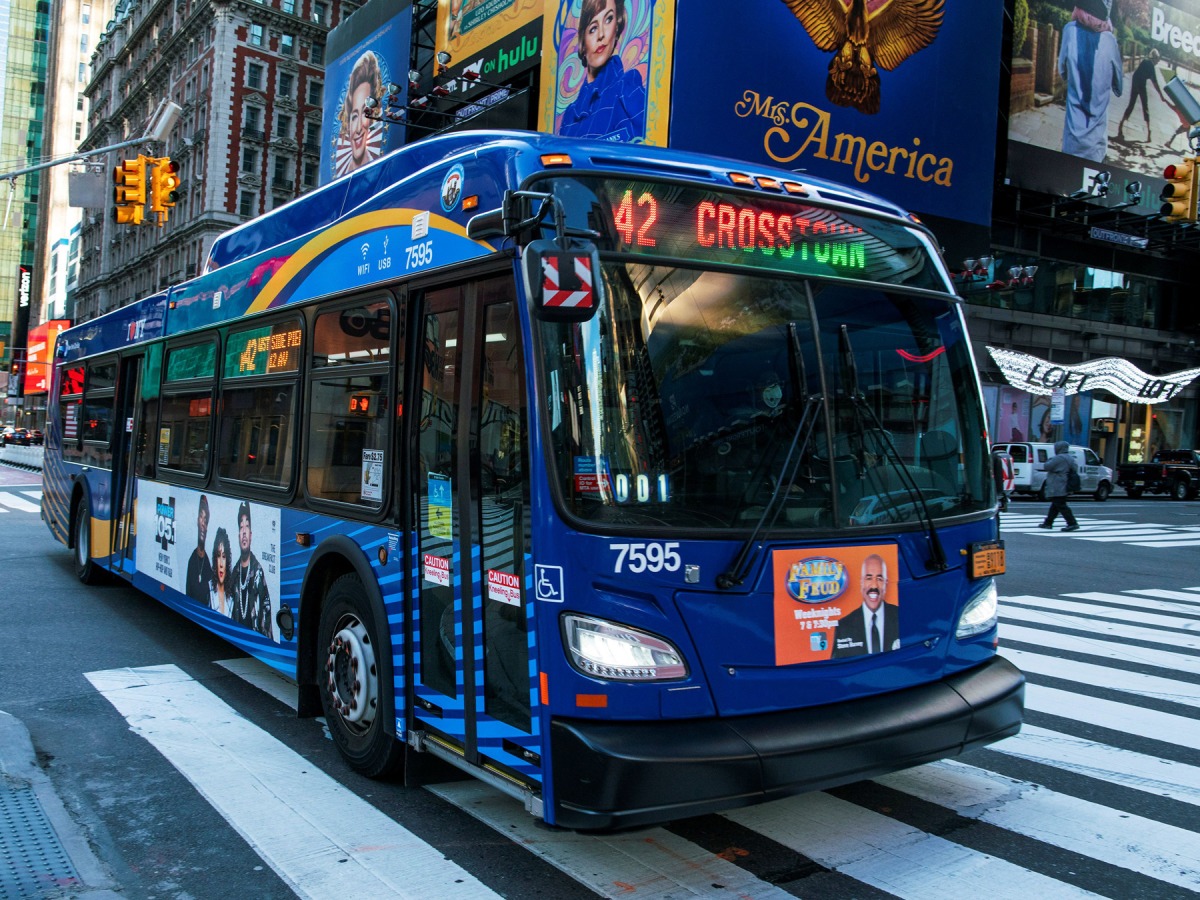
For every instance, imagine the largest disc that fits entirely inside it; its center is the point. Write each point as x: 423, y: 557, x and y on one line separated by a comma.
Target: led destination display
x: 761, y: 232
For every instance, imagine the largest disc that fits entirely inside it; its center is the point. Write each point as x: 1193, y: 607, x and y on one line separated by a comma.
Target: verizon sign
x: 1117, y: 376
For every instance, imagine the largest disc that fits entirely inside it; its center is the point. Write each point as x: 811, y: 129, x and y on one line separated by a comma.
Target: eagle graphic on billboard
x: 866, y: 35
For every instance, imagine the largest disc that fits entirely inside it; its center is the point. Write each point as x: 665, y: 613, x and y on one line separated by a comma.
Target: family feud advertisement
x: 835, y: 603
x: 896, y: 97
x: 221, y: 552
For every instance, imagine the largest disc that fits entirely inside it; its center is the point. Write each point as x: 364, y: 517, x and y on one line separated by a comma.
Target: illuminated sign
x: 264, y: 351
x: 1118, y: 376
x: 766, y: 231
x: 361, y: 405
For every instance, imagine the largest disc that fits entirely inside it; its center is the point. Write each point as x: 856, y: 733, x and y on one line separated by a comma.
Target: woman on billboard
x: 611, y: 103
x: 361, y: 139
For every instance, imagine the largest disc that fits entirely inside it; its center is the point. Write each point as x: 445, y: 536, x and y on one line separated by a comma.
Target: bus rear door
x: 472, y: 628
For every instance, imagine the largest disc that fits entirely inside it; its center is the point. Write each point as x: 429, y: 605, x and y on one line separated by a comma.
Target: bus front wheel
x: 85, y: 567
x: 353, y: 695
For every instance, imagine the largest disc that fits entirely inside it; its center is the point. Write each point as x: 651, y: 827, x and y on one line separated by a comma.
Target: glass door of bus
x: 473, y: 690
x: 126, y: 430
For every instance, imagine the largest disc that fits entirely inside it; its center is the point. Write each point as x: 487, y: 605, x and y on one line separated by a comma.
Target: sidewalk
x: 11, y: 475
x: 43, y: 853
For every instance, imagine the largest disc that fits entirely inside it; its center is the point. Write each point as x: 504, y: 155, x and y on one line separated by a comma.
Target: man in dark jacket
x: 1056, y: 487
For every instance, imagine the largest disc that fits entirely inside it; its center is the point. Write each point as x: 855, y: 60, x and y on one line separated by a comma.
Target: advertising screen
x: 905, y: 111
x: 1096, y: 88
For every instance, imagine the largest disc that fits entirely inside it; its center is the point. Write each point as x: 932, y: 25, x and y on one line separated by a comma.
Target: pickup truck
x: 1174, y: 472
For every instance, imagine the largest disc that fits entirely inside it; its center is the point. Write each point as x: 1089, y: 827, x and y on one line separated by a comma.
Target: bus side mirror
x: 564, y: 284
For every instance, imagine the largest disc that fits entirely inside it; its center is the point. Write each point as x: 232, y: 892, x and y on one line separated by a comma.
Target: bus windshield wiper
x: 937, y: 554
x: 740, y: 567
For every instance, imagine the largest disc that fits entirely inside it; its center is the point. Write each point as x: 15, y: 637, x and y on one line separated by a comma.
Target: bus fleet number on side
x: 419, y: 255
x: 646, y: 557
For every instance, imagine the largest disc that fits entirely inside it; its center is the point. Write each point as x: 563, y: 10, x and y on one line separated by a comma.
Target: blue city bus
x: 639, y: 484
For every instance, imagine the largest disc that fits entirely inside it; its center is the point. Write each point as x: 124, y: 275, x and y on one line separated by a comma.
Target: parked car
x: 36, y: 437
x: 1029, y: 472
x: 13, y: 435
x: 1173, y: 472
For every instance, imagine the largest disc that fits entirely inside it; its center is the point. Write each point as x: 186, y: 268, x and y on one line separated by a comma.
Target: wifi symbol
x: 365, y: 248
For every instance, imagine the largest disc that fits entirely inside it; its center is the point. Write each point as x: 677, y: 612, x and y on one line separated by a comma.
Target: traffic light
x: 164, y: 181
x: 1179, y: 195
x: 129, y: 191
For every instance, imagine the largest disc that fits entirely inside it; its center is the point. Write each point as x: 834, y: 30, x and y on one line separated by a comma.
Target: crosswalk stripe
x: 35, y: 496
x: 1191, y: 543
x: 1184, y: 623
x: 1115, y: 650
x: 1177, y: 781
x: 891, y: 855
x: 1142, y: 600
x: 1191, y: 597
x: 332, y: 838
x: 19, y: 504
x: 1154, y: 686
x: 262, y: 677
x: 1135, y: 843
x: 1124, y: 717
x: 650, y: 863
x: 1118, y: 631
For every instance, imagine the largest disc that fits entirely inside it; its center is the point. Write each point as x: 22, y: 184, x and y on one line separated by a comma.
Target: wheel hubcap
x: 352, y: 680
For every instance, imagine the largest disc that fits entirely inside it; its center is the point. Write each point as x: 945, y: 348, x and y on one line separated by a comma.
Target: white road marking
x: 17, y: 503
x: 1161, y: 777
x: 318, y: 836
x: 1183, y: 622
x: 1165, y: 601
x: 891, y: 855
x: 1116, y: 630
x: 263, y: 677
x: 1163, y: 852
x: 1094, y: 646
x: 1124, y: 717
x: 1159, y: 688
x: 650, y: 863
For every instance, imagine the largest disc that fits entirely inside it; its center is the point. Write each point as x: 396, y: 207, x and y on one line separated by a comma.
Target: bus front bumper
x: 622, y: 774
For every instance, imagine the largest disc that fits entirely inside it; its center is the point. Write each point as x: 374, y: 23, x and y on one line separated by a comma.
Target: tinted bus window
x: 185, y: 425
x: 356, y: 335
x: 256, y: 434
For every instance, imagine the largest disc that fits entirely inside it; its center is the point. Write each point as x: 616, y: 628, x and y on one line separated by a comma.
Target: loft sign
x: 1119, y: 376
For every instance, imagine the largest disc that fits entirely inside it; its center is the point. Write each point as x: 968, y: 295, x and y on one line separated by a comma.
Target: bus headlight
x: 979, y: 615
x: 620, y: 653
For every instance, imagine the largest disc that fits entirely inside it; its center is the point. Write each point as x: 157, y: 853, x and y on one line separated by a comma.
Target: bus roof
x: 311, y: 246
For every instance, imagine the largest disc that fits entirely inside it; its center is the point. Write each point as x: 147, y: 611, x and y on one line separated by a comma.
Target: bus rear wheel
x: 86, y: 569
x: 356, y: 700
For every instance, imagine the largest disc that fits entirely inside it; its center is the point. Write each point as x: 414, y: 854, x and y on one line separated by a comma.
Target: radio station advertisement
x: 221, y: 552
x: 606, y: 69
x: 835, y: 603
x: 905, y: 113
x: 1103, y: 88
x: 363, y: 117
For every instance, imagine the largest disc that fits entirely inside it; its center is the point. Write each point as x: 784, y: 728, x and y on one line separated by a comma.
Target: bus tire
x: 86, y: 569
x: 354, y: 698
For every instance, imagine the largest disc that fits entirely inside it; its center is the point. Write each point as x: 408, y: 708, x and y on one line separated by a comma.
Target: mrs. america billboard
x: 896, y: 97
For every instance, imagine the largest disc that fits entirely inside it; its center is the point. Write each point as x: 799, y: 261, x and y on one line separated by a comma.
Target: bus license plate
x: 987, y: 558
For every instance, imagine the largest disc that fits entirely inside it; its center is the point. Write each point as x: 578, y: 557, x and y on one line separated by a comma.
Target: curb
x: 24, y: 784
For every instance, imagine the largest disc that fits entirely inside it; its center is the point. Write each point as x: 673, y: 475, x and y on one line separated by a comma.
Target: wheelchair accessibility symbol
x: 548, y: 583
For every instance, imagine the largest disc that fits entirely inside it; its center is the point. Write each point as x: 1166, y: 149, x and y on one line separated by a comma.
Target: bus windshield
x: 694, y: 397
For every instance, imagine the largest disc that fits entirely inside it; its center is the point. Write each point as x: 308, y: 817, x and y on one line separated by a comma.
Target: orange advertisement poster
x: 835, y: 603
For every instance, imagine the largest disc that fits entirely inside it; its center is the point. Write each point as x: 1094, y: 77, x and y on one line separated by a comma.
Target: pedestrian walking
x: 1058, y: 476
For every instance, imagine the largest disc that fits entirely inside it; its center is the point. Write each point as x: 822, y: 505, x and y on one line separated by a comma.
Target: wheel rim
x: 352, y: 678
x: 82, y: 539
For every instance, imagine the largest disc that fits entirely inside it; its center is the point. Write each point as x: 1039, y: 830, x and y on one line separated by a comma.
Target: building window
x: 289, y: 7
x: 283, y: 126
x: 254, y: 76
x: 246, y: 204
x: 320, y: 13
x: 312, y: 137
x: 310, y: 174
x: 287, y: 45
x: 78, y: 132
x: 79, y: 102
x: 253, y: 120
x: 249, y: 159
x: 83, y: 73
x: 287, y: 84
x: 85, y: 14
x: 256, y: 35
x: 316, y: 93
x: 284, y: 167
x: 317, y: 55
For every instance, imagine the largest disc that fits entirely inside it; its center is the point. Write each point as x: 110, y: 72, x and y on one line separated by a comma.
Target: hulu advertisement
x: 895, y: 97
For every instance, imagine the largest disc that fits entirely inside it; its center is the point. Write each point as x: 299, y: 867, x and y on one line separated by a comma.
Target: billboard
x: 606, y: 69
x: 896, y: 98
x: 40, y: 354
x: 367, y: 52
x: 1089, y: 94
x: 490, y: 42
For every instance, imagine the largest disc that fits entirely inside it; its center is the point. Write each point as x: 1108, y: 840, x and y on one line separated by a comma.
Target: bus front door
x: 473, y: 688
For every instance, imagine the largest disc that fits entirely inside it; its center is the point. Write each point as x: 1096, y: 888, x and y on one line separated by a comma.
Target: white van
x: 1029, y: 469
